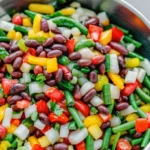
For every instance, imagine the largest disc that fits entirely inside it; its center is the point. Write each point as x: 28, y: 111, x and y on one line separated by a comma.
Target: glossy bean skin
x: 68, y: 76
x: 16, y: 74
x: 47, y: 50
x: 38, y: 133
x: 92, y: 66
x: 102, y: 68
x: 32, y: 43
x: 61, y: 47
x: 84, y: 63
x: 101, y: 48
x: 1, y: 62
x: 89, y: 95
x: 123, y: 73
x: 56, y: 30
x: 44, y: 25
x: 3, y: 69
x: 26, y: 96
x: 5, y: 45
x: 17, y: 63
x: 15, y: 108
x: 59, y: 75
x: 48, y: 42
x: 14, y: 99
x: 76, y: 92
x: 59, y: 38
x: 122, y: 106
x: 42, y: 54
x: 44, y: 118
x: 75, y: 56
x: 14, y: 48
x: 61, y: 146
x: 54, y: 53
x: 103, y: 109
x: 41, y: 96
x: 49, y: 148
x: 105, y: 125
x: 39, y: 50
x: 137, y: 135
x: 93, y: 77
x: 92, y: 21
x: 51, y: 82
x: 121, y: 61
x: 136, y: 147
x: 37, y: 70
x: 17, y: 88
x: 47, y: 75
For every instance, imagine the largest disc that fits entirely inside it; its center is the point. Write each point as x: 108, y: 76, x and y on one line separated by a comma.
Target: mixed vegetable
x: 70, y: 80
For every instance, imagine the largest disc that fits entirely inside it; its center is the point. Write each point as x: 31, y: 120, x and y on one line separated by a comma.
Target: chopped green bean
x: 136, y: 141
x: 117, y: 136
x: 69, y: 98
x: 106, y: 94
x: 89, y: 142
x: 146, y: 138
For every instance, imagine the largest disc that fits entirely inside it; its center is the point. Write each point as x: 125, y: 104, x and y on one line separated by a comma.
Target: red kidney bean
x: 137, y: 135
x: 61, y: 47
x: 136, y: 147
x: 92, y: 21
x: 74, y: 56
x: 61, y: 146
x: 100, y: 25
x: 59, y: 75
x: 96, y: 60
x: 32, y: 43
x: 17, y: 88
x: 16, y: 74
x: 44, y: 118
x: 84, y: 62
x: 102, y: 68
x: 93, y: 77
x: 41, y: 96
x: 25, y: 96
x: 47, y: 50
x: 17, y: 63
x: 1, y: 75
x: 39, y: 50
x: 14, y: 48
x: 38, y: 133
x: 76, y: 92
x: 123, y: 73
x: 1, y: 62
x: 44, y: 25
x: 37, y: 70
x: 15, y: 108
x: 105, y: 125
x: 101, y: 48
x: 47, y: 75
x: 5, y: 45
x: 9, y: 59
x: 68, y: 76
x: 92, y: 67
x: 48, y: 42
x: 107, y: 49
x: 56, y: 30
x: 49, y: 148
x: 119, y: 100
x: 121, y: 61
x: 54, y: 53
x: 125, y: 98
x: 42, y: 54
x: 14, y: 99
x: 51, y: 82
x: 122, y: 106
x: 103, y: 109
x: 3, y: 69
x: 59, y: 38
x: 89, y: 95
x: 120, y: 48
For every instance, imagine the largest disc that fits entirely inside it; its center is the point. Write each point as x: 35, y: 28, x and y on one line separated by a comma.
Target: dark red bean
x: 76, y: 92
x: 59, y: 75
x: 32, y: 43
x: 48, y: 42
x: 47, y: 50
x: 103, y: 109
x: 41, y: 96
x: 14, y: 99
x: 107, y: 49
x: 14, y: 48
x: 102, y: 68
x: 47, y: 75
x: 54, y: 53
x: 1, y: 62
x: 59, y: 38
x: 1, y: 75
x: 17, y: 63
x: 13, y: 42
x: 93, y: 77
x: 61, y: 146
x: 3, y: 69
x: 74, y: 56
x: 38, y: 133
x: 101, y: 48
x: 49, y: 148
x: 121, y: 61
x: 137, y: 135
x: 92, y: 67
x: 123, y: 73
x: 92, y: 21
x: 15, y: 108
x: 25, y: 96
x: 44, y: 25
x: 89, y: 95
x: 51, y: 82
x: 38, y: 70
x: 68, y: 76
x: 105, y: 125
x: 39, y: 50
x: 17, y: 88
x: 136, y: 147
x: 56, y: 30
x: 61, y: 47
x: 84, y: 62
x: 42, y: 54
x: 118, y: 47
x: 5, y: 45
x: 16, y: 74
x: 125, y: 98
x: 122, y: 106
x: 44, y: 118
x: 119, y: 100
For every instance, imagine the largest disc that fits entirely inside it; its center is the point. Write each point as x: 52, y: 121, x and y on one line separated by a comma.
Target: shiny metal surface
x: 119, y: 11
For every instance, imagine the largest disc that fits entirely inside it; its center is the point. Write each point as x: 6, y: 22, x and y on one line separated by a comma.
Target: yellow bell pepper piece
x: 68, y: 11
x: 70, y: 147
x: 4, y: 145
x: 96, y: 52
x: 42, y: 34
x: 132, y: 62
x: 37, y: 23
x: 106, y: 22
x: 102, y: 79
x: 116, y: 79
x: 2, y: 111
x: 145, y: 108
x: 11, y: 129
x: 31, y: 34
x: 18, y: 36
x: 42, y: 8
x: 11, y: 34
x: 91, y: 120
x: 9, y: 68
x: 44, y: 142
x: 112, y: 51
x: 95, y: 131
x: 27, y: 22
x: 106, y: 37
x: 51, y: 34
x: 132, y: 117
x: 52, y: 65
x: 37, y: 60
x: 33, y: 140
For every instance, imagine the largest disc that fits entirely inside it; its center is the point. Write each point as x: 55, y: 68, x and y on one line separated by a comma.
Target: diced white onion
x: 75, y: 16
x: 130, y: 77
x: 74, y: 80
x: 7, y: 117
x: 35, y: 87
x: 77, y: 136
x: 82, y: 117
x: 86, y: 53
x: 115, y: 121
x: 52, y: 135
x: 96, y: 101
x: 127, y: 111
x: 21, y: 80
x: 86, y: 87
x: 130, y: 47
x: 114, y: 66
x: 26, y: 77
x: 29, y: 110
x: 66, y: 33
x: 64, y: 130
x: 83, y: 18
x: 25, y: 67
x: 115, y: 91
x: 79, y: 38
x: 6, y: 18
x: 51, y: 24
x: 146, y: 65
x: 75, y: 4
x: 102, y: 16
x: 79, y: 11
x: 22, y: 132
x: 28, y: 146
x: 75, y: 31
x: 97, y: 144
x: 136, y: 70
x: 45, y: 87
x: 39, y: 125
x: 89, y: 12
x: 6, y: 26
x: 17, y: 115
x: 141, y: 75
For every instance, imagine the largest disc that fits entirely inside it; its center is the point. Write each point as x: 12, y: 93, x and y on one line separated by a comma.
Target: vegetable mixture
x: 70, y: 80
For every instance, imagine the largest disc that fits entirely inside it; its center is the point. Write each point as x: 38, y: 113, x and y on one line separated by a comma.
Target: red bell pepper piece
x: 105, y: 117
x: 60, y: 119
x: 96, y: 60
x: 141, y: 124
x: 25, y: 57
x: 23, y: 104
x: 32, y: 51
x: 66, y: 140
x: 95, y: 32
x: 2, y: 101
x: 70, y: 45
x: 3, y: 132
x: 123, y: 144
x: 17, y: 19
x: 117, y: 34
x: 7, y: 84
x: 81, y: 146
x: 54, y: 94
x: 83, y: 108
x: 16, y: 122
x: 148, y: 117
x: 42, y: 107
x: 46, y: 128
x: 37, y: 147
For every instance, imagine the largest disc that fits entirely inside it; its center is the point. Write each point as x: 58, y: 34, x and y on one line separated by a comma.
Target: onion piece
x: 29, y: 110
x: 115, y: 91
x: 39, y: 125
x: 26, y: 77
x: 17, y: 115
x: 130, y: 47
x: 127, y: 111
x: 115, y: 121
x: 102, y: 16
x: 96, y: 101
x: 45, y: 87
x: 82, y: 117
x: 28, y: 146
x: 86, y: 53
x: 35, y: 87
x: 6, y: 26
x: 97, y: 144
x: 131, y: 77
x: 141, y: 75
x: 146, y: 65
x: 25, y: 67
x: 114, y: 66
x: 64, y: 130
x: 7, y: 117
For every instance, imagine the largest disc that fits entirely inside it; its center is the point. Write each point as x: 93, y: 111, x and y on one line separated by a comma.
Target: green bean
x: 89, y: 142
x: 27, y: 122
x: 106, y: 139
x: 21, y: 29
x: 14, y: 143
x: 147, y: 82
x: 2, y: 33
x: 111, y: 107
x: 77, y: 73
x: 106, y: 94
x: 34, y: 116
x: 4, y: 39
x: 123, y: 43
x: 133, y: 101
x: 9, y: 137
x: 146, y: 138
x: 64, y: 60
x: 107, y: 62
x: 82, y: 81
x: 136, y: 141
x: 65, y: 85
x: 141, y: 113
x: 3, y: 53
x: 93, y: 110
x: 132, y: 131
x: 124, y: 127
x: 57, y: 126
x: 69, y: 98
x: 117, y: 136
x: 72, y: 125
x: 146, y: 90
x: 135, y: 55
x: 85, y: 70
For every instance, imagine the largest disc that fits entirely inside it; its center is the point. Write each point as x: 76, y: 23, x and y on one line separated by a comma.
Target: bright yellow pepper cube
x: 33, y: 140
x: 91, y: 120
x: 68, y: 11
x: 44, y: 142
x: 52, y: 65
x: 132, y: 117
x: 11, y: 129
x: 27, y: 22
x: 18, y: 36
x: 37, y: 23
x: 145, y: 108
x: 11, y: 34
x: 4, y: 145
x: 106, y: 22
x: 113, y: 51
x: 51, y: 34
x: 42, y: 34
x: 31, y: 34
x: 2, y: 111
x: 95, y: 131
x: 9, y: 68
x: 132, y: 62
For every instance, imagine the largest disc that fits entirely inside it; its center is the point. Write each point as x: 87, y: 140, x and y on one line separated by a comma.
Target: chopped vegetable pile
x: 70, y: 80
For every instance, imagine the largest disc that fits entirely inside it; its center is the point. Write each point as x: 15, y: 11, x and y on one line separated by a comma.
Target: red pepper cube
x: 42, y: 107
x: 141, y: 124
x: 2, y: 101
x: 105, y: 117
x: 96, y: 60
x: 148, y: 117
x: 37, y: 147
x: 117, y: 34
x: 70, y: 45
x: 3, y: 132
x: 17, y: 19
